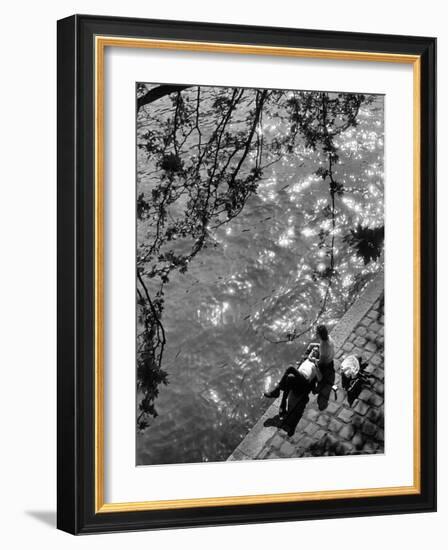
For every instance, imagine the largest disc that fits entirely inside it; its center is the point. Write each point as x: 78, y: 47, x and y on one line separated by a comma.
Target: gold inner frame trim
x: 101, y: 42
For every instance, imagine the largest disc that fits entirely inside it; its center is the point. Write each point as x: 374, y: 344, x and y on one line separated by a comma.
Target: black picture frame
x: 76, y: 511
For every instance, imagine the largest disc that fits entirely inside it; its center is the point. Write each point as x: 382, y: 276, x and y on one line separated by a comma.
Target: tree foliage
x: 367, y: 242
x: 208, y: 151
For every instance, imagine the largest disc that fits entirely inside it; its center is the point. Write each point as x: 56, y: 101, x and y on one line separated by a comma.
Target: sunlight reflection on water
x: 260, y: 280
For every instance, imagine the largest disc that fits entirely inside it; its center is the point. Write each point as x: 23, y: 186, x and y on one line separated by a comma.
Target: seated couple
x: 303, y: 379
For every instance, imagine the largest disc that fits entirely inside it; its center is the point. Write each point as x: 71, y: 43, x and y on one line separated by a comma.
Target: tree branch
x: 156, y: 93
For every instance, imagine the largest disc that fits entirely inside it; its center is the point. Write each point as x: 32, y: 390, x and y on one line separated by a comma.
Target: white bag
x: 350, y: 367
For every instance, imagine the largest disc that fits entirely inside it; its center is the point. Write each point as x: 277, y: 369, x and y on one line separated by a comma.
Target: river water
x: 223, y: 316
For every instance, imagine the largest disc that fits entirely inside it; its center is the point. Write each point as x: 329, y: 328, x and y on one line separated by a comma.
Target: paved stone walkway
x: 333, y: 423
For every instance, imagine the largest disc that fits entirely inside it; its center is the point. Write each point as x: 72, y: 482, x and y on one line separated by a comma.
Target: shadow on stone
x: 296, y: 408
x: 276, y: 421
x: 328, y: 445
x: 329, y: 376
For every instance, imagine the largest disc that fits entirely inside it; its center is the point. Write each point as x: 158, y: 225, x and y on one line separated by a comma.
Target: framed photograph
x: 246, y: 274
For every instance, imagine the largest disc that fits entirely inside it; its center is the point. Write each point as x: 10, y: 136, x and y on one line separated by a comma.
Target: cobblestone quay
x: 333, y: 422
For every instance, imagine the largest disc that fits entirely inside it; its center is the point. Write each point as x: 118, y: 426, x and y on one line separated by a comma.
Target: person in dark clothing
x: 303, y: 379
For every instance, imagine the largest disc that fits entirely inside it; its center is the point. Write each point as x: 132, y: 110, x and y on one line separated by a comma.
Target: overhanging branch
x: 157, y: 93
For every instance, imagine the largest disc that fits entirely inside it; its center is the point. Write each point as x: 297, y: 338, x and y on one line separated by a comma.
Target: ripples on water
x: 257, y: 282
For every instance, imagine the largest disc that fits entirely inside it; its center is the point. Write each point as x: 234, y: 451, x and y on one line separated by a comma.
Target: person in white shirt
x: 303, y: 379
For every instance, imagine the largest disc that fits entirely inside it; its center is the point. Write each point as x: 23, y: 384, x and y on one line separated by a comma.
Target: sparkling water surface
x: 257, y: 280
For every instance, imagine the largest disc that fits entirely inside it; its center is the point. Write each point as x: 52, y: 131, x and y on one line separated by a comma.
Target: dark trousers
x: 293, y: 380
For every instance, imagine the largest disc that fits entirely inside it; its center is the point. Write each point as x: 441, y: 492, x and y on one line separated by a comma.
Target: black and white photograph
x: 259, y: 273
x: 220, y: 275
